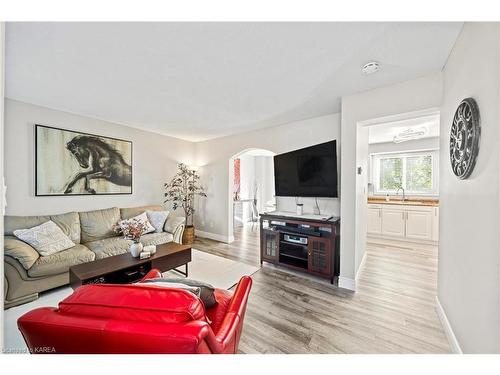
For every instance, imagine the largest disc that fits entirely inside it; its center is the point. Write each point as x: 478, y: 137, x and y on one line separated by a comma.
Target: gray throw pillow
x: 157, y: 219
x: 202, y: 290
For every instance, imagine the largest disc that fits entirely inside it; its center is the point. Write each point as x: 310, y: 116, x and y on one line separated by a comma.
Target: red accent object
x: 138, y: 318
x: 237, y: 173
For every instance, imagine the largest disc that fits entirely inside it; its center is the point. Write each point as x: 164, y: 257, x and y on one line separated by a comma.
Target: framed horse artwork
x: 69, y: 162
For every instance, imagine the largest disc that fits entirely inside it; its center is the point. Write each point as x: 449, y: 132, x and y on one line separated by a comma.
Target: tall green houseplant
x: 182, y: 190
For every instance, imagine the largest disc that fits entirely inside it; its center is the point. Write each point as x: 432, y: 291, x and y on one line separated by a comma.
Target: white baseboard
x: 450, y: 335
x: 347, y: 283
x: 214, y: 236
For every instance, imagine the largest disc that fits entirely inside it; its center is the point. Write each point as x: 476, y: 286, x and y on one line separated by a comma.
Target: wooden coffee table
x: 123, y: 269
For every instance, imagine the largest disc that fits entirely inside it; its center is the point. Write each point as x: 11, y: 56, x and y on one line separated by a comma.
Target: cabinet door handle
x: 379, y: 213
x: 403, y: 215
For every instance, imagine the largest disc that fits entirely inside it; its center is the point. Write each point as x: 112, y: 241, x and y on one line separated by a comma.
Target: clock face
x: 464, y: 138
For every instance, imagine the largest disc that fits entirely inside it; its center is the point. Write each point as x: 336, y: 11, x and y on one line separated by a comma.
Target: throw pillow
x: 203, y: 290
x: 157, y: 219
x: 141, y: 218
x: 46, y: 238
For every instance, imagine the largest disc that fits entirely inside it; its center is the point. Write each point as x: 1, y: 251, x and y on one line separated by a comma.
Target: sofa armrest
x: 21, y: 251
x: 175, y: 225
x: 227, y: 337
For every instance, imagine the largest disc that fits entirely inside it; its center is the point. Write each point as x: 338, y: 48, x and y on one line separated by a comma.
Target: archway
x: 250, y: 187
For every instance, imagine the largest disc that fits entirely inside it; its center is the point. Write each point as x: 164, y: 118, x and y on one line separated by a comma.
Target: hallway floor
x: 393, y: 310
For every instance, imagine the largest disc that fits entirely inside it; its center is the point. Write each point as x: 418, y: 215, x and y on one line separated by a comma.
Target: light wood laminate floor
x: 393, y: 310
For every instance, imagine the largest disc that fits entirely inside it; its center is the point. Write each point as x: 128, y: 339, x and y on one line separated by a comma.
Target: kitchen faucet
x: 397, y: 192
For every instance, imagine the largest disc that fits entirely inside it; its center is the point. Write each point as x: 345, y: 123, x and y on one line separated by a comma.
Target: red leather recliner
x: 137, y: 318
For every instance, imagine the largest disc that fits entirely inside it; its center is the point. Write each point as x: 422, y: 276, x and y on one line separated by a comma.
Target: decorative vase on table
x: 182, y: 190
x: 132, y: 230
x: 136, y: 249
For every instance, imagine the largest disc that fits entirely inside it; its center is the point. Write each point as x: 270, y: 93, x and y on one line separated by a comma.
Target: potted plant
x: 182, y: 190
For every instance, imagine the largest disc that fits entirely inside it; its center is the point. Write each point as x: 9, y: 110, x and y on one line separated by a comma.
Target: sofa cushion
x: 68, y: 222
x: 21, y: 251
x: 128, y: 212
x: 70, y: 225
x: 46, y: 238
x: 61, y: 262
x: 137, y: 302
x: 109, y: 247
x: 98, y: 224
x: 12, y: 223
x: 156, y: 238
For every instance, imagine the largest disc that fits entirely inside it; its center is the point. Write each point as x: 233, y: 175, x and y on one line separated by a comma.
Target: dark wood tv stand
x: 307, y: 243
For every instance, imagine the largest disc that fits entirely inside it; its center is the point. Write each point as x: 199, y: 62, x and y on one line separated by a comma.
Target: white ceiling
x: 198, y: 81
x: 385, y: 132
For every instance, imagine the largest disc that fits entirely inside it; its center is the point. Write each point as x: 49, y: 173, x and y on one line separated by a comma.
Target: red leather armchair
x: 137, y: 318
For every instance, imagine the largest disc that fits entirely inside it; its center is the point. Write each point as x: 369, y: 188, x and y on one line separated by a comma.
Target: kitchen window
x: 416, y: 172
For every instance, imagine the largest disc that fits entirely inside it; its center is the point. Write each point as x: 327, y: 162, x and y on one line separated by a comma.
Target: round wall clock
x: 464, y: 138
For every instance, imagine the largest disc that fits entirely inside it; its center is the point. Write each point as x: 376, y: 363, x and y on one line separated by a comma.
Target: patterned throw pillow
x: 157, y: 219
x: 142, y: 218
x: 46, y: 238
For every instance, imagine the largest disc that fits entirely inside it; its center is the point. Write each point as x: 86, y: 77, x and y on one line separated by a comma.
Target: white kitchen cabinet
x: 374, y: 219
x: 419, y: 223
x: 410, y: 222
x: 393, y: 222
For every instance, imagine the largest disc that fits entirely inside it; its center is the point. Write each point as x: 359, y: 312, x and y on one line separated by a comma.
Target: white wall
x: 2, y: 83
x: 213, y: 157
x: 415, y: 95
x: 469, y: 252
x: 154, y: 161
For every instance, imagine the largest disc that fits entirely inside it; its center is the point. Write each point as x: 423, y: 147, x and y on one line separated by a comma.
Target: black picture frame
x: 37, y: 171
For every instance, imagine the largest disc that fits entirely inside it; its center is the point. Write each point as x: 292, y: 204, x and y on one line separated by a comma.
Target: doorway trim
x: 361, y: 204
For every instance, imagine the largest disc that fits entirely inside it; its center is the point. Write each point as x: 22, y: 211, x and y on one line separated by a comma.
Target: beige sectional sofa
x: 26, y: 273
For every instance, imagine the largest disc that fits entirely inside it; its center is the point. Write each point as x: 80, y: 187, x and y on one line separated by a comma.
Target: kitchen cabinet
x: 374, y: 219
x: 410, y: 222
x: 419, y: 223
x: 393, y: 222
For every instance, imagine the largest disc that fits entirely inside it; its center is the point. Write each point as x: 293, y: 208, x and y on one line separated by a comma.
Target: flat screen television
x: 308, y: 172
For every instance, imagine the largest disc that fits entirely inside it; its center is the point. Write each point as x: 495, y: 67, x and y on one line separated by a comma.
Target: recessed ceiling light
x: 370, y: 68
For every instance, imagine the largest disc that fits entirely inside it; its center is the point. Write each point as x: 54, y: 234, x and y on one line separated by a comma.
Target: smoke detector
x: 370, y: 68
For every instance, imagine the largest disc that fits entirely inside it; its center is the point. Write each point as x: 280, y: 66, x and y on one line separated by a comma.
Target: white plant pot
x: 136, y: 249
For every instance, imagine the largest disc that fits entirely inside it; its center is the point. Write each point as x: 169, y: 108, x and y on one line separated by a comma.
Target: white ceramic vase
x: 136, y: 249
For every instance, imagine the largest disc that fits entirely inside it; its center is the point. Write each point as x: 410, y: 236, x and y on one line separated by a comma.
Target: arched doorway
x: 251, y: 187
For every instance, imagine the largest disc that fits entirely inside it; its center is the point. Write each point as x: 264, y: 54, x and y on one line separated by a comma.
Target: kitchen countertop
x: 408, y: 202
